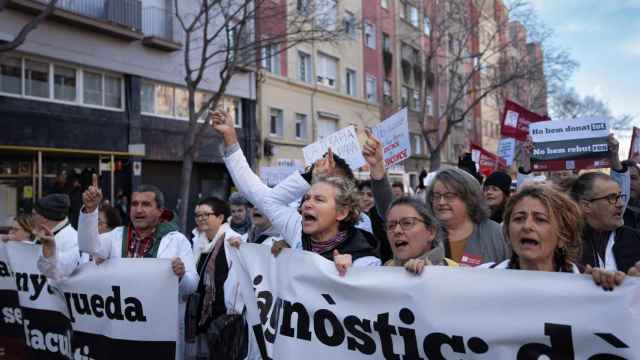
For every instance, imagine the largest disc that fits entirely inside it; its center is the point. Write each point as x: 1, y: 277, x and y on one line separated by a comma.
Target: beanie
x: 500, y: 180
x: 53, y: 207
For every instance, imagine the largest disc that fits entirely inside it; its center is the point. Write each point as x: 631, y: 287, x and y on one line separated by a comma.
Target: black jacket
x: 626, y: 249
x: 358, y: 244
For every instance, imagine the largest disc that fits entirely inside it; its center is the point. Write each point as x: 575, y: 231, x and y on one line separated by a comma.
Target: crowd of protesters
x: 573, y: 223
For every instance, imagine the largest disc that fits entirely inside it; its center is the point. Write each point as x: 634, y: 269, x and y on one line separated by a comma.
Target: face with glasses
x: 408, y: 235
x: 603, y: 211
x: 447, y: 205
x: 206, y: 219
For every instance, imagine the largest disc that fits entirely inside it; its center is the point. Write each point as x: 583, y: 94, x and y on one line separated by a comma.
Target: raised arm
x: 619, y: 172
x: 54, y: 263
x: 284, y: 218
x: 88, y: 238
x: 373, y: 154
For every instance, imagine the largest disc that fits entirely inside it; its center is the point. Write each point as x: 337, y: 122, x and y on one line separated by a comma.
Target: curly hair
x: 467, y: 188
x: 347, y: 197
x: 565, y: 216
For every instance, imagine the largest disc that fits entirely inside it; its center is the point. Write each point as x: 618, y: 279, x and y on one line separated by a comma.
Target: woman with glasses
x: 411, y: 230
x: 607, y: 243
x: 21, y: 229
x: 468, y: 235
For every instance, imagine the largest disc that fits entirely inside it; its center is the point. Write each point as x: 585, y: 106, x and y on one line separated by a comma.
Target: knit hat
x: 500, y: 180
x: 53, y: 207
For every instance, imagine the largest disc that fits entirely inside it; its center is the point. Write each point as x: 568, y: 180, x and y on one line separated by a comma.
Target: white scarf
x: 206, y: 246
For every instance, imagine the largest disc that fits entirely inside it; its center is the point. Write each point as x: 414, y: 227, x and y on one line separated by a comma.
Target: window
x: 417, y: 143
x: 92, y: 83
x: 427, y: 26
x: 404, y: 96
x: 429, y: 105
x: 326, y: 127
x: 237, y: 113
x: 11, y: 75
x: 415, y: 104
x: 276, y: 126
x: 403, y: 10
x: 36, y: 79
x: 384, y: 3
x: 271, y: 58
x: 303, y: 7
x: 350, y: 24
x: 64, y: 83
x: 301, y: 126
x: 386, y: 42
x: 386, y: 88
x: 148, y: 97
x: 304, y: 67
x: 112, y: 92
x: 372, y: 91
x: 164, y: 100
x: 182, y: 103
x: 351, y: 82
x: 327, y: 70
x: 327, y: 13
x: 370, y: 35
x: 413, y: 15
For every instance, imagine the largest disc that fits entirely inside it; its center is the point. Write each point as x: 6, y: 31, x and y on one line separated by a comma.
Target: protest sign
x: 634, y: 149
x: 516, y: 119
x: 570, y: 144
x: 298, y: 307
x: 486, y: 161
x: 101, y: 312
x: 394, y: 134
x: 343, y: 143
x: 507, y: 149
x: 273, y: 175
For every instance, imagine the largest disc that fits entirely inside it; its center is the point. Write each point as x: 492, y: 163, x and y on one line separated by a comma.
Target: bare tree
x: 463, y: 61
x: 27, y: 28
x: 234, y: 36
x: 568, y: 104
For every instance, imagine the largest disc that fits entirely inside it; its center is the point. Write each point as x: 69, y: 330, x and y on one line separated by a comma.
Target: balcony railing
x: 127, y: 13
x: 158, y: 22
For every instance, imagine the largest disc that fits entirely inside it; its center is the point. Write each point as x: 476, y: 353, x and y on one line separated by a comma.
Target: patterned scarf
x: 209, y: 282
x: 324, y: 246
x: 137, y: 247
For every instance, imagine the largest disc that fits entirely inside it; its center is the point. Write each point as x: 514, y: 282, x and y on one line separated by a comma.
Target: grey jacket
x: 486, y: 241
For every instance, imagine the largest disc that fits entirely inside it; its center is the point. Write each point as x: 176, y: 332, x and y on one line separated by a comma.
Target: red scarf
x: 137, y: 247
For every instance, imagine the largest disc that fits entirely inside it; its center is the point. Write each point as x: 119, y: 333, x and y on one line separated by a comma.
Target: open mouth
x: 529, y: 242
x: 401, y: 243
x: 308, y: 218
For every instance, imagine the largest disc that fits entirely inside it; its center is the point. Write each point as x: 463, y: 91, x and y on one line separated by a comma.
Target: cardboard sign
x: 570, y: 144
x: 486, y: 161
x: 394, y: 134
x: 516, y: 119
x: 343, y: 142
x: 507, y: 149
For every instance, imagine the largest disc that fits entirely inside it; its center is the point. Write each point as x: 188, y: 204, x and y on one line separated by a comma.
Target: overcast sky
x: 604, y: 37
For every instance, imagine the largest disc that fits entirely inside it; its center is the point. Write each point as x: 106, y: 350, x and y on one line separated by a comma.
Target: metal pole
x: 112, y: 179
x: 39, y: 174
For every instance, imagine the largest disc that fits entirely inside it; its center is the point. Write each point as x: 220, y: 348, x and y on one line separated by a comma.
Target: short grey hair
x: 159, y: 195
x: 347, y: 197
x: 467, y: 188
x: 236, y: 199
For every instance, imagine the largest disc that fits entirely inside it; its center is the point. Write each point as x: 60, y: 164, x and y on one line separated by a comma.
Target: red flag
x: 488, y: 162
x: 516, y: 119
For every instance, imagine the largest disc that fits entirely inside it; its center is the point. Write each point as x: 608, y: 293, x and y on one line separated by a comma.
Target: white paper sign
x: 507, y: 149
x: 273, y: 175
x: 310, y: 312
x: 394, y: 134
x: 343, y: 143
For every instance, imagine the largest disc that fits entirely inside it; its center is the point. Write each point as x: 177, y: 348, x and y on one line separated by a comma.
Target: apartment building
x: 99, y: 86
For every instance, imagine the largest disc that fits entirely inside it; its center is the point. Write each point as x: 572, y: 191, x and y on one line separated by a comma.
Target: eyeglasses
x: 406, y: 223
x: 448, y: 197
x: 611, y: 198
x: 204, y: 215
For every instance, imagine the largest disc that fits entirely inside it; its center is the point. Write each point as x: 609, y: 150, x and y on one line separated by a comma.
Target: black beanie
x: 53, y: 207
x: 500, y: 180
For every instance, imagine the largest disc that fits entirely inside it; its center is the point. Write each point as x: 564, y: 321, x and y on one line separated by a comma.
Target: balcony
x: 118, y: 18
x: 159, y: 28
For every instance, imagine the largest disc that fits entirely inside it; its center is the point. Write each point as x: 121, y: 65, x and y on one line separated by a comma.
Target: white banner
x: 343, y: 143
x: 394, y: 134
x: 299, y: 308
x: 100, y: 312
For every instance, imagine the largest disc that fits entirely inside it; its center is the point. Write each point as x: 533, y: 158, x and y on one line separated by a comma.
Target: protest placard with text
x: 394, y: 134
x: 343, y: 143
x: 570, y: 144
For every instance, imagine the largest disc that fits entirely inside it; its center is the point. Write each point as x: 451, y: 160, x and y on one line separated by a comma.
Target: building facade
x: 99, y: 86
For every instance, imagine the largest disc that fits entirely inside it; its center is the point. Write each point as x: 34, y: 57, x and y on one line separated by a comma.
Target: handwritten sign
x: 394, y: 134
x: 343, y: 142
x: 570, y: 144
x: 507, y: 149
